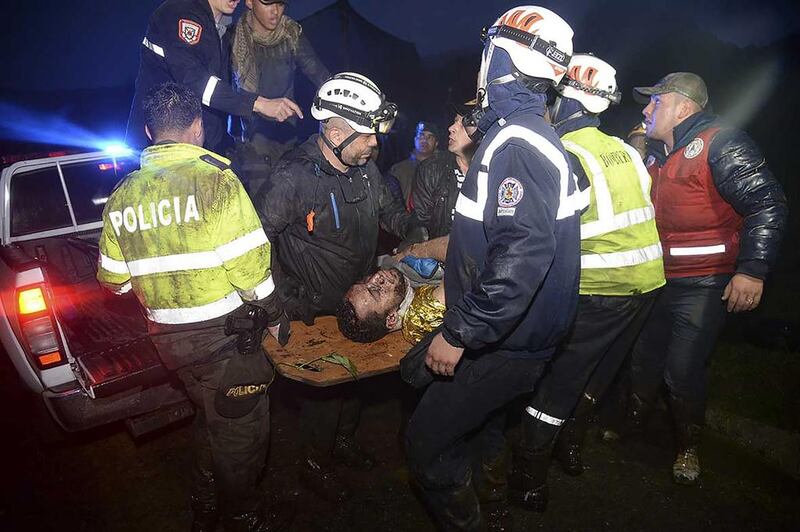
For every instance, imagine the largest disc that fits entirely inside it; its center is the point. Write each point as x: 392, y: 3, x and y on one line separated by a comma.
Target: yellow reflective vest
x: 620, y: 249
x: 183, y: 234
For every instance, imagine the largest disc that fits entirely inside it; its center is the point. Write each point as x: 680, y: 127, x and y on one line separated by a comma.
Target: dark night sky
x: 94, y: 43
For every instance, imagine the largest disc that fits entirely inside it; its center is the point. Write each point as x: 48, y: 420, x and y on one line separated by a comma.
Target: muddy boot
x: 638, y: 412
x: 570, y: 438
x: 454, y: 509
x: 686, y: 469
x: 347, y: 452
x: 529, y: 481
x: 205, y: 513
x: 568, y: 448
x: 260, y: 520
x: 322, y: 480
x: 497, y: 517
x: 491, y: 484
x: 204, y: 517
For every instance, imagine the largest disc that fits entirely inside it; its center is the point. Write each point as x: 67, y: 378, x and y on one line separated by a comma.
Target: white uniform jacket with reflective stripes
x: 183, y: 234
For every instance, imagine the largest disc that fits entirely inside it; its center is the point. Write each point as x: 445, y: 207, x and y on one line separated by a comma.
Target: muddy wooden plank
x: 323, y: 338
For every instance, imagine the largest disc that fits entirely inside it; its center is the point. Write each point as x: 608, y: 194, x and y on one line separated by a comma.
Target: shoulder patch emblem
x: 213, y: 161
x: 694, y: 148
x: 189, y: 31
x: 651, y: 159
x: 510, y: 192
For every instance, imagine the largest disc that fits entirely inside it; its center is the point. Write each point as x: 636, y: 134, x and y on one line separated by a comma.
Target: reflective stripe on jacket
x: 183, y: 232
x: 620, y: 249
x: 699, y: 229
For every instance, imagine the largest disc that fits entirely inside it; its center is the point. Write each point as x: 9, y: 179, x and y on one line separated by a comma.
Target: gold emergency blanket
x: 424, y: 314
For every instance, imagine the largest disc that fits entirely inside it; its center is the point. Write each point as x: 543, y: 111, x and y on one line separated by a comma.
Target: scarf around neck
x: 246, y: 67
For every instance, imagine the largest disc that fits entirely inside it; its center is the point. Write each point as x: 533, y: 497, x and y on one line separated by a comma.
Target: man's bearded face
x: 380, y: 293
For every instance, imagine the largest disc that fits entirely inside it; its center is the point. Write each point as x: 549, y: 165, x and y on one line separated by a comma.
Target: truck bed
x: 106, y: 333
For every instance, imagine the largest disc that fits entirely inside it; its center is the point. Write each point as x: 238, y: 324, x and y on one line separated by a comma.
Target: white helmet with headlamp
x: 538, y: 41
x: 592, y: 82
x: 357, y: 100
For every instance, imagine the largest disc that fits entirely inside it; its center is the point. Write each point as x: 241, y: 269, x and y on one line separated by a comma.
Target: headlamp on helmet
x: 357, y: 100
x: 592, y: 82
x: 613, y: 97
x: 380, y: 120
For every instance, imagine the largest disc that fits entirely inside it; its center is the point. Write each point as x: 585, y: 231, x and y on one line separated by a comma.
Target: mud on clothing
x: 324, y: 225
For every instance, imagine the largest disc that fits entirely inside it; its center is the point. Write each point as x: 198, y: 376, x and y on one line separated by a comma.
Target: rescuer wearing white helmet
x: 513, y: 268
x: 323, y: 207
x: 621, y: 272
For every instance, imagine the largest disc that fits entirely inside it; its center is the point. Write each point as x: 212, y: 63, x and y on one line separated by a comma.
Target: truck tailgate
x: 108, y: 338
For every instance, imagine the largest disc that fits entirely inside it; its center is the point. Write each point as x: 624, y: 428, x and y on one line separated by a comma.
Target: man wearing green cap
x: 721, y: 215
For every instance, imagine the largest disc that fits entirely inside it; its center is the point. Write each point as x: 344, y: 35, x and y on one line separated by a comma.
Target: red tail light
x: 38, y: 326
x: 31, y: 300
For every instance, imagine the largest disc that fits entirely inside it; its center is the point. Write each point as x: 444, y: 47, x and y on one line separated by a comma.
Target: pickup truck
x: 83, y: 352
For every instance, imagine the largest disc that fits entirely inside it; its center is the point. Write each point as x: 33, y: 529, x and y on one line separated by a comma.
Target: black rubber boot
x: 205, y: 514
x: 570, y: 438
x: 347, y: 452
x: 638, y: 413
x: 204, y: 517
x: 454, y: 509
x: 491, y: 484
x: 529, y: 481
x: 320, y: 478
x: 260, y: 520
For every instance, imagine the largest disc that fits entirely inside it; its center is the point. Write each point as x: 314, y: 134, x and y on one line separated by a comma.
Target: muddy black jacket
x: 742, y: 178
x: 435, y: 191
x: 321, y: 256
x: 182, y: 45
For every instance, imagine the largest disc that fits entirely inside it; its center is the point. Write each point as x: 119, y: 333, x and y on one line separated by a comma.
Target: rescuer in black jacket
x: 325, y: 222
x: 321, y: 209
x: 439, y: 177
x: 185, y: 43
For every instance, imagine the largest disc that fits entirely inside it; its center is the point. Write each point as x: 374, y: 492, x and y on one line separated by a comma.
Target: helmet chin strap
x: 337, y: 150
x: 554, y: 113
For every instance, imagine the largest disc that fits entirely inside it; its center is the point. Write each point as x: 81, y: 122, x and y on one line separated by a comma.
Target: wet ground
x: 105, y: 481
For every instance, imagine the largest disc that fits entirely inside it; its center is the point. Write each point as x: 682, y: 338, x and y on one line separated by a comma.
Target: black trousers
x: 466, y: 409
x: 676, y: 344
x: 229, y: 454
x: 604, y: 330
x: 328, y: 413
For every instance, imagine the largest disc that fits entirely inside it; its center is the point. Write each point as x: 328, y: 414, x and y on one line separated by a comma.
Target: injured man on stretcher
x: 406, y: 293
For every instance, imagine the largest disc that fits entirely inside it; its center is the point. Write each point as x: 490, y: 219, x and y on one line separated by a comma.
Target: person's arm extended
x: 433, y: 249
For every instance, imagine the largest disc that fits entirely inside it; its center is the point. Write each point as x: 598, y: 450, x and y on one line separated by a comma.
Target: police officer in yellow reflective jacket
x: 621, y: 269
x: 182, y: 234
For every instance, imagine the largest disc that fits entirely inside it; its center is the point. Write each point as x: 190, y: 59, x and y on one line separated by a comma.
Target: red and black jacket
x: 718, y: 207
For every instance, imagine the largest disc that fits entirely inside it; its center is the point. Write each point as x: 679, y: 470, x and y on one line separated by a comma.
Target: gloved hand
x: 280, y: 329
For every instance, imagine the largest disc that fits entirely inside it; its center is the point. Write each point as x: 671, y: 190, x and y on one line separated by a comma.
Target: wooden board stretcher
x: 323, y: 338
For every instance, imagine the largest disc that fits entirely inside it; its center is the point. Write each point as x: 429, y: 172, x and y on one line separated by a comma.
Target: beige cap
x: 690, y: 85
